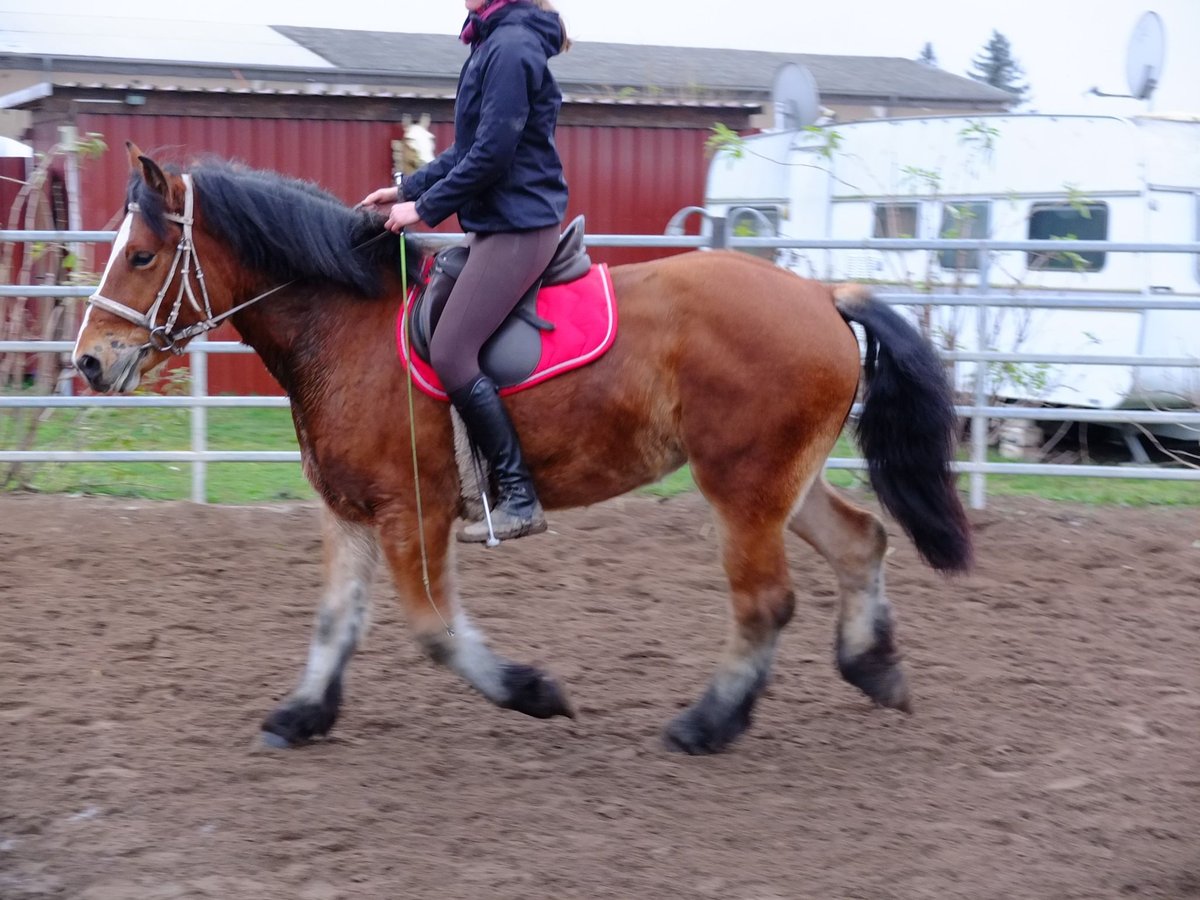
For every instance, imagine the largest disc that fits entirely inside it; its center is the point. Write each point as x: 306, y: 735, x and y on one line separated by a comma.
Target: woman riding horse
x: 508, y: 189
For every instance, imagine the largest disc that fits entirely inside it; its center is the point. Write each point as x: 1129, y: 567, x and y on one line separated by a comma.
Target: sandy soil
x: 1055, y: 750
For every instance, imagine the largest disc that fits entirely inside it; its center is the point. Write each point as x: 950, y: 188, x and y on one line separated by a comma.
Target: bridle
x: 164, y: 337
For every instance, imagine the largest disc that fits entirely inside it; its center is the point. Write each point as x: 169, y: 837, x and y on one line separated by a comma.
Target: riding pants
x: 498, y: 272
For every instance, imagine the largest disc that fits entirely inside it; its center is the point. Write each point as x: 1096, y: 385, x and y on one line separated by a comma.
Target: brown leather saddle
x: 511, y: 354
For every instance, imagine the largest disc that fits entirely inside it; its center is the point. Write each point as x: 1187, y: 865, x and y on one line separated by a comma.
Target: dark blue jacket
x: 503, y: 172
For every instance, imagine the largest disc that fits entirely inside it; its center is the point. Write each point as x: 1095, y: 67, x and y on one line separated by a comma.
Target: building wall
x: 626, y: 179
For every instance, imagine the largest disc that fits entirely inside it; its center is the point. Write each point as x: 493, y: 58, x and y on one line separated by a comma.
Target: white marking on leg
x: 869, y: 606
x: 353, y: 553
x: 471, y: 658
x: 118, y: 250
x: 744, y: 669
x: 467, y: 654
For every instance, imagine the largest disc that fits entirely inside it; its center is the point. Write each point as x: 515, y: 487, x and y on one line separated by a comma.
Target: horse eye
x: 141, y: 259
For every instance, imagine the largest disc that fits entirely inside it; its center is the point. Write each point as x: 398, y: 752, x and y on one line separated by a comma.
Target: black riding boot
x: 517, y: 511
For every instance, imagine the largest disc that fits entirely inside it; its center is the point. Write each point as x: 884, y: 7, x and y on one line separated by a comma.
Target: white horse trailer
x: 1006, y: 177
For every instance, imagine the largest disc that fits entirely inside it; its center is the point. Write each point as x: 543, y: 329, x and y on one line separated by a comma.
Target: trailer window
x: 1068, y: 221
x: 896, y: 220
x: 961, y: 221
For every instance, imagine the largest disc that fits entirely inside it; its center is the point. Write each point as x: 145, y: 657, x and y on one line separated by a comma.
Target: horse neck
x: 273, y: 328
x: 308, y: 336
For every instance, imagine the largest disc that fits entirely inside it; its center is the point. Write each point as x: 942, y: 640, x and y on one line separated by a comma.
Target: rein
x: 163, y: 337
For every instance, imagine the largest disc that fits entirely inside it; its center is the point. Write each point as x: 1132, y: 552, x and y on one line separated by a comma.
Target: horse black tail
x: 908, y: 431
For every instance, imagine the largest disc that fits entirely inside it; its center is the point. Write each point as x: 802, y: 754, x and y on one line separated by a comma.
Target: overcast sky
x: 1065, y: 46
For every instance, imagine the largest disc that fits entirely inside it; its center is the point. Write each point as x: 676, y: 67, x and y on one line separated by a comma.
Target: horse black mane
x: 287, y: 228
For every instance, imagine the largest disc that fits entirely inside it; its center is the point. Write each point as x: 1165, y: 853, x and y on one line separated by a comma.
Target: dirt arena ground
x: 1054, y: 753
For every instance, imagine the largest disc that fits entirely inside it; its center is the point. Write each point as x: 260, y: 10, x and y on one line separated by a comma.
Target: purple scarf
x: 470, y: 32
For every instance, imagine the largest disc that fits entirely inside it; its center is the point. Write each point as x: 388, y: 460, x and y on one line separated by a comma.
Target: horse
x: 723, y: 361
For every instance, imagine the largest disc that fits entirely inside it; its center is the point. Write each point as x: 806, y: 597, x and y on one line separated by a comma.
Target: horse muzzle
x: 116, y: 372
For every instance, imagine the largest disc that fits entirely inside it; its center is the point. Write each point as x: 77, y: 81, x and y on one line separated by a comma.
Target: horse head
x: 153, y: 296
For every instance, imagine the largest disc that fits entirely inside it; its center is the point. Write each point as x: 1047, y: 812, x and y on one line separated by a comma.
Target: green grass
x: 166, y: 429
x: 1096, y: 491
x: 271, y: 429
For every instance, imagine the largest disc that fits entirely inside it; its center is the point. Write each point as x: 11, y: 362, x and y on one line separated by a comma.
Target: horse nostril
x: 89, y: 367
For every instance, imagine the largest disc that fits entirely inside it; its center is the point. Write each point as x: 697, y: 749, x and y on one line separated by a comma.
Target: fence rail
x: 979, y: 413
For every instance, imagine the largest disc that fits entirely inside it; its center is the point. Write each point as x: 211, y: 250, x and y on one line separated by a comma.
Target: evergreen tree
x: 995, y: 65
x: 927, y: 56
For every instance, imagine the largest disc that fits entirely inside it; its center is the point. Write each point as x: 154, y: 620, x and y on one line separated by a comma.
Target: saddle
x: 511, y: 354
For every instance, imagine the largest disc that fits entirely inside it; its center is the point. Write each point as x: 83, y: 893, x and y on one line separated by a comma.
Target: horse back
x: 716, y: 352
x: 753, y: 327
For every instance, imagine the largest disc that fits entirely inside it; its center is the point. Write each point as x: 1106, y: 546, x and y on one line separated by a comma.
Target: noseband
x: 164, y: 337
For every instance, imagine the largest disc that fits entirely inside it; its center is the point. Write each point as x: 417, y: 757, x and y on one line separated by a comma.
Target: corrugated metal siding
x: 632, y: 180
x: 626, y: 180
x: 347, y: 158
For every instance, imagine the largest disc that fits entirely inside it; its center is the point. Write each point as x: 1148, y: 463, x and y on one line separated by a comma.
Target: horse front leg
x: 351, y: 554
x: 762, y: 603
x: 423, y: 572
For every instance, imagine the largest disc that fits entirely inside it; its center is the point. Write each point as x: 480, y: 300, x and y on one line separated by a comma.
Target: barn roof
x: 50, y: 35
x: 57, y: 43
x: 602, y: 67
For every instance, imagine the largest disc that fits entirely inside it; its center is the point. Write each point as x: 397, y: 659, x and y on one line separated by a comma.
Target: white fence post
x: 979, y: 421
x: 198, y: 362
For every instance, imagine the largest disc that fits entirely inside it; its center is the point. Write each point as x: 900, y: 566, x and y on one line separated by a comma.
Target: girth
x: 511, y: 354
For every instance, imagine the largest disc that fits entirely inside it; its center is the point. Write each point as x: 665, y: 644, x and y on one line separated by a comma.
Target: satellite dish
x: 795, y: 98
x: 1144, y: 60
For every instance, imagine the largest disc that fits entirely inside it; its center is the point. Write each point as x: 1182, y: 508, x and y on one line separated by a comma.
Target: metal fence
x: 977, y: 467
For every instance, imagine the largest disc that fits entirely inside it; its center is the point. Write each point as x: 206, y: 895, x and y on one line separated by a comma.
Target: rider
x: 504, y: 178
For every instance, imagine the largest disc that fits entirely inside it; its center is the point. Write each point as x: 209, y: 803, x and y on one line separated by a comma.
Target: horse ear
x: 156, y: 179
x: 133, y: 151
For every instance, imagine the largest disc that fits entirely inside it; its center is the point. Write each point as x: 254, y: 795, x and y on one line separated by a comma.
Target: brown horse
x: 723, y: 361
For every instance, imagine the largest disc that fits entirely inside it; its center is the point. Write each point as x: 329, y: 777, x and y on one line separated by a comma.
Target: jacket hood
x: 546, y: 25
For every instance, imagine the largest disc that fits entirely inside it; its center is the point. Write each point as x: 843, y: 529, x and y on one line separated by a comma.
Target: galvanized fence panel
x: 979, y: 413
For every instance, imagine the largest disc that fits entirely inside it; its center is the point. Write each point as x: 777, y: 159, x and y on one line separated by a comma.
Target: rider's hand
x: 381, y: 197
x: 401, y: 216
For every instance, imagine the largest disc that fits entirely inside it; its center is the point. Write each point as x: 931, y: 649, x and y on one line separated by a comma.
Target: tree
x: 995, y: 65
x: 927, y: 56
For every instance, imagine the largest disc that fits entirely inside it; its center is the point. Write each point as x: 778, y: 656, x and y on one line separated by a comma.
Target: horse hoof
x: 298, y: 723
x: 694, y: 733
x: 881, y: 677
x: 273, y: 741
x: 534, y: 694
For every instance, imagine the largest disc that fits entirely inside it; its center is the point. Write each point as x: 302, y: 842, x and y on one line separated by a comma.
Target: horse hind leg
x: 762, y: 603
x: 351, y: 557
x: 854, y: 542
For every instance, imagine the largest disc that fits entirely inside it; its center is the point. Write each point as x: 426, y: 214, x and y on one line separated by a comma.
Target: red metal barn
x: 630, y: 164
